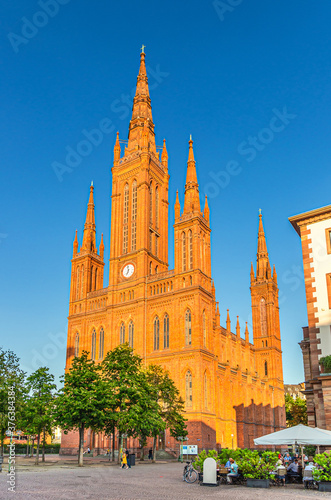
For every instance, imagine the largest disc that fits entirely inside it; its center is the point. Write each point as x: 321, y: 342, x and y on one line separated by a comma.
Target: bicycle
x: 190, y: 475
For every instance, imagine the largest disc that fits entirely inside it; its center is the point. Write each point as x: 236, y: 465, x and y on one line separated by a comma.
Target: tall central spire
x: 192, y: 201
x: 141, y: 111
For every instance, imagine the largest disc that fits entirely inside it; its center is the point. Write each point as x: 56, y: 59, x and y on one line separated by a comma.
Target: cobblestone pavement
x: 160, y: 481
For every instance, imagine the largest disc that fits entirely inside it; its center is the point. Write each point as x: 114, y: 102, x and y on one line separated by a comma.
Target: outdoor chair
x: 308, y: 480
x: 280, y: 477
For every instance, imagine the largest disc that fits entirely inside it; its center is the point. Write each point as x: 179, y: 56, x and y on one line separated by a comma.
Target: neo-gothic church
x: 233, y: 390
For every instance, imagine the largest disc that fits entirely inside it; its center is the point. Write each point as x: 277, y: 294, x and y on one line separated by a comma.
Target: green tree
x: 12, y: 380
x: 296, y: 411
x: 81, y: 403
x: 169, y: 403
x: 130, y: 407
x: 38, y: 408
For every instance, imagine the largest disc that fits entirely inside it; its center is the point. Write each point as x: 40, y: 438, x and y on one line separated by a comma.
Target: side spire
x: 228, y: 322
x: 164, y: 155
x: 263, y: 264
x: 75, y: 245
x: 117, y: 149
x: 192, y: 200
x: 206, y: 210
x: 177, y: 207
x: 238, y: 327
x: 89, y: 243
x: 101, y: 247
x: 141, y: 111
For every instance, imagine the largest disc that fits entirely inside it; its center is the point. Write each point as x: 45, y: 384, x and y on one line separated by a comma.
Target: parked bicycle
x: 190, y: 475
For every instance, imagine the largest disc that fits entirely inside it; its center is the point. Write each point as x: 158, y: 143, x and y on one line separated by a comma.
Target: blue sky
x: 224, y: 75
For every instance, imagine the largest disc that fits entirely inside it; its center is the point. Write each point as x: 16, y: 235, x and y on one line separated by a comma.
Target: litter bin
x: 132, y: 459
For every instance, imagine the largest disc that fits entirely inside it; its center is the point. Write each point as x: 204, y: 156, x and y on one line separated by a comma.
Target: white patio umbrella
x: 299, y: 434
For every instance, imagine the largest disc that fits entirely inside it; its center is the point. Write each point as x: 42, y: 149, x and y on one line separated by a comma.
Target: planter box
x: 324, y: 486
x: 257, y: 483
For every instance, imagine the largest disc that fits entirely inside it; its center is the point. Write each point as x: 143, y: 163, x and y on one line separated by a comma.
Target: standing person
x: 128, y: 458
x: 88, y: 450
x: 233, y: 472
x: 150, y: 454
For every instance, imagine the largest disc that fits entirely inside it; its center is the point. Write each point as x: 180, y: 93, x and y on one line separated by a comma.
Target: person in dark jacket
x: 128, y: 458
x: 150, y: 454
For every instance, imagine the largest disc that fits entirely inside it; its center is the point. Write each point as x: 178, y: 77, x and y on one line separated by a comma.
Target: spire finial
x: 260, y: 211
x: 142, y: 50
x: 91, y: 183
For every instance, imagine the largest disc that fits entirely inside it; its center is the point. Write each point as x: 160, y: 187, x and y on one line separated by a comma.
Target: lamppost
x: 180, y: 458
x: 8, y: 433
x: 232, y: 440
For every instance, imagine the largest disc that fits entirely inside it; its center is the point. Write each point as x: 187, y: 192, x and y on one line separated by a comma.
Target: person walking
x: 150, y: 454
x: 124, y: 460
x: 128, y: 458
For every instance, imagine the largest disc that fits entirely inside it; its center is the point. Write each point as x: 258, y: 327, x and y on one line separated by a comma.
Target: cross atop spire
x: 142, y: 50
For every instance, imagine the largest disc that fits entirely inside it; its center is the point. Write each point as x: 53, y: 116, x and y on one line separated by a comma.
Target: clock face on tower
x: 128, y: 270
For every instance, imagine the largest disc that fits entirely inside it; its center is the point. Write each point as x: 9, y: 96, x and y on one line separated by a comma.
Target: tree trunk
x: 32, y: 448
x: 154, y: 449
x: 81, y: 446
x: 120, y: 443
x: 43, y: 450
x: 27, y: 446
x: 2, y: 440
x: 113, y: 446
x: 37, y: 454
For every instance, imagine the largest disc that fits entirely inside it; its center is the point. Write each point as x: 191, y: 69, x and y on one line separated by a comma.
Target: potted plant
x: 257, y: 470
x: 323, y: 475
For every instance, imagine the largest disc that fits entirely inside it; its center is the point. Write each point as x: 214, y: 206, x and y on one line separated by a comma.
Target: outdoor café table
x: 222, y: 474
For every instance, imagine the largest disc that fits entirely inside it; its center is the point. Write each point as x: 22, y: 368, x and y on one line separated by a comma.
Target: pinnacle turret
x: 89, y: 243
x: 192, y: 200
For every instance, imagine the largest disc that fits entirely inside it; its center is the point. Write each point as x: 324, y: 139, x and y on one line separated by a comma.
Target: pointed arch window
x: 77, y: 282
x: 150, y: 268
x: 93, y: 344
x: 190, y: 244
x: 96, y: 278
x: 151, y: 204
x: 126, y: 218
x: 131, y: 334
x: 184, y: 250
x: 101, y: 343
x: 188, y: 328
x: 206, y: 390
x: 157, y: 206
x: 266, y: 368
x: 188, y: 389
x: 122, y: 333
x: 82, y: 282
x: 166, y: 332
x: 134, y: 217
x: 91, y: 279
x: 156, y: 334
x: 204, y: 329
x: 263, y: 316
x: 76, y: 352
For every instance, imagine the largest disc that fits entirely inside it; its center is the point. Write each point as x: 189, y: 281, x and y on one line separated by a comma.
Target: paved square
x: 161, y: 481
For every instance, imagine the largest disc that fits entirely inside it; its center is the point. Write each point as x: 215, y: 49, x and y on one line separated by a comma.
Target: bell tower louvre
x: 233, y: 390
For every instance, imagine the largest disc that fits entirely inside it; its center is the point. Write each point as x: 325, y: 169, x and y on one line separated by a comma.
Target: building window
x: 93, y: 344
x: 131, y: 333
x: 328, y: 284
x: 206, y: 390
x: 188, y: 389
x: 101, y: 343
x: 77, y: 283
x: 76, y: 352
x: 188, y: 328
x: 150, y: 268
x: 263, y: 316
x: 126, y: 218
x: 204, y: 329
x: 156, y: 334
x: 328, y: 240
x: 266, y: 368
x: 184, y: 250
x: 156, y: 245
x: 134, y: 216
x: 190, y: 243
x: 151, y: 241
x: 122, y: 334
x: 96, y: 278
x: 82, y: 282
x: 151, y: 204
x: 157, y: 206
x: 166, y: 332
x: 156, y: 271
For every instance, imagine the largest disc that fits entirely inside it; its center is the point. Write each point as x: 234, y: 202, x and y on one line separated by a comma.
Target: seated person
x: 233, y: 472
x: 280, y: 471
x: 287, y: 458
x: 309, y: 467
x: 228, y: 464
x: 293, y: 469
